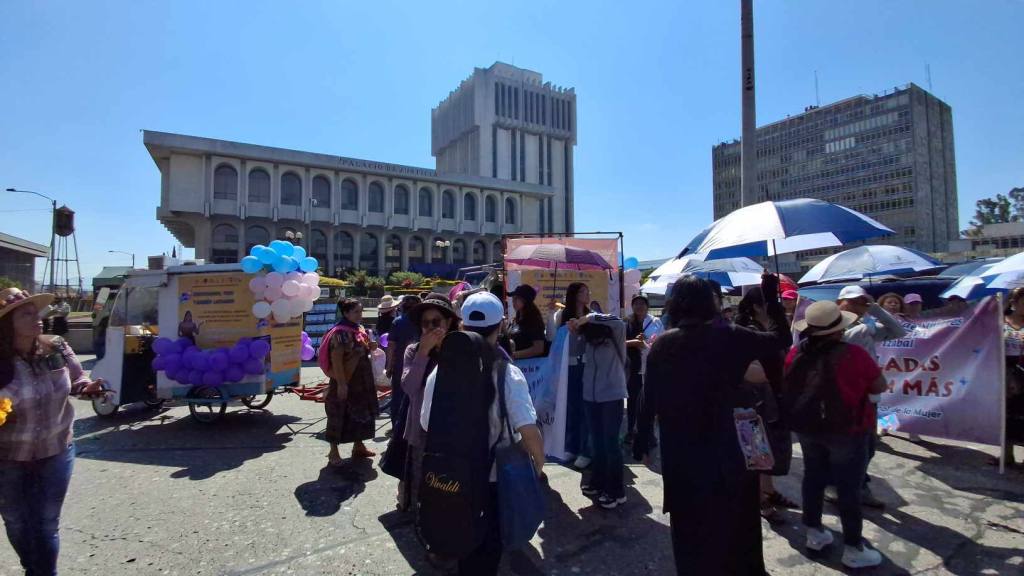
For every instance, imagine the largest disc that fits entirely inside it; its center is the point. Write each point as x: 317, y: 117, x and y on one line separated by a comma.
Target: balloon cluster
x: 307, y: 348
x: 291, y: 284
x: 185, y: 363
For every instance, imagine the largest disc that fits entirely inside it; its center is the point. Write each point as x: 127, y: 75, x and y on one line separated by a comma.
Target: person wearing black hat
x: 435, y: 317
x: 403, y: 332
x: 527, y: 330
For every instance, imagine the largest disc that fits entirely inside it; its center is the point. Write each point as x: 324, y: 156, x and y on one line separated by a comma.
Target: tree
x: 998, y: 210
x: 6, y: 283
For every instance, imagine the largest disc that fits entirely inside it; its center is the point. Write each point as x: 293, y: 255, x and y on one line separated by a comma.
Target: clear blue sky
x: 657, y: 86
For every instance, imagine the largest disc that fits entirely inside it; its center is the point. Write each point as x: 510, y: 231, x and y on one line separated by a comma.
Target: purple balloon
x: 253, y: 366
x: 195, y: 377
x: 239, y: 353
x: 219, y: 360
x: 259, y: 349
x: 308, y: 353
x: 234, y: 373
x: 201, y: 362
x: 164, y: 346
x: 244, y: 342
x: 213, y: 378
x: 183, y: 344
x: 383, y: 341
x: 159, y: 363
x: 172, y: 359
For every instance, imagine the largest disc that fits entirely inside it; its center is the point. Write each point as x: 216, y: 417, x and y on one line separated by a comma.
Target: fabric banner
x: 946, y: 377
x: 548, y: 378
x: 551, y: 285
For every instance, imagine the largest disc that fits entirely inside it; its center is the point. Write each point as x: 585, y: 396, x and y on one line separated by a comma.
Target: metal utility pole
x: 748, y: 144
x: 52, y: 261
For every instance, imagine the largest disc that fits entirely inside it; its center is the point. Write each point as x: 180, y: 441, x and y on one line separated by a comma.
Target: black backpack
x: 454, y: 488
x: 811, y: 402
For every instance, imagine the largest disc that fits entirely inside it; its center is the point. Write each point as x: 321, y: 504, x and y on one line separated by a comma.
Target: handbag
x: 521, y: 499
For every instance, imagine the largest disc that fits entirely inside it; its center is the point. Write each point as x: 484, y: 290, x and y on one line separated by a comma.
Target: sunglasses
x: 430, y: 324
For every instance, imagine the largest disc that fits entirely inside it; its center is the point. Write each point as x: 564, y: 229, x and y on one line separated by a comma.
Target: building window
x: 321, y: 192
x: 291, y: 190
x: 225, y: 244
x: 425, y: 203
x: 469, y: 207
x: 490, y: 209
x: 513, y: 162
x: 368, y: 254
x: 522, y: 156
x: 392, y: 255
x: 350, y: 195
x: 479, y: 252
x: 376, y: 197
x: 318, y: 246
x: 256, y: 235
x: 448, y: 205
x: 401, y: 199
x: 417, y: 255
x: 225, y: 183
x: 344, y: 249
x: 459, y: 252
x: 510, y: 211
x: 259, y: 186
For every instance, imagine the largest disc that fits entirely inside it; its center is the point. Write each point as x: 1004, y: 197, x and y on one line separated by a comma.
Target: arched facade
x: 490, y: 209
x: 375, y: 198
x: 350, y: 195
x: 459, y: 252
x: 256, y: 235
x: 417, y: 251
x: 225, y: 183
x: 291, y: 189
x: 448, y: 204
x: 469, y: 206
x: 318, y: 246
x: 425, y: 202
x: 479, y: 252
x: 392, y: 255
x: 368, y: 247
x: 344, y: 252
x: 321, y: 192
x: 401, y: 200
x: 225, y: 244
x: 259, y: 186
x: 510, y: 211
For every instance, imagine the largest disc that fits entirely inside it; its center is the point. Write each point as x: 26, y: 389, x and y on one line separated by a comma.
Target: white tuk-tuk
x: 211, y: 305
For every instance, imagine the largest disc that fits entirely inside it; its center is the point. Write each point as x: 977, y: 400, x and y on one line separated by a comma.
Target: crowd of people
x: 687, y: 384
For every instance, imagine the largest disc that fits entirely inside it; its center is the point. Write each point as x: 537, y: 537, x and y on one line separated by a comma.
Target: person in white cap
x: 828, y: 382
x: 856, y: 300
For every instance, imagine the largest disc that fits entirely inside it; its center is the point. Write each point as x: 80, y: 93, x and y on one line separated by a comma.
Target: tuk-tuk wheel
x: 254, y: 404
x: 207, y: 413
x: 155, y: 404
x: 104, y: 407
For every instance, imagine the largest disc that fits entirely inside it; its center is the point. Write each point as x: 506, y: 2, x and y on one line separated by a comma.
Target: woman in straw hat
x: 827, y: 403
x: 38, y: 376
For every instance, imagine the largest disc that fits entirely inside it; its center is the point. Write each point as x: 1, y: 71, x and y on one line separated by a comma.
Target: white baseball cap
x: 852, y: 293
x: 911, y: 298
x: 482, y: 310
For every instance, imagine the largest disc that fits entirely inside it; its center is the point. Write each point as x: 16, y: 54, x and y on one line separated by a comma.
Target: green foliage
x: 6, y: 282
x: 406, y: 279
x: 998, y: 210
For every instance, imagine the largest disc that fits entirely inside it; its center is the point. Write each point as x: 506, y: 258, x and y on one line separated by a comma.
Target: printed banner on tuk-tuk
x: 215, y: 310
x: 945, y: 377
x: 548, y: 379
x: 551, y: 285
x: 285, y: 351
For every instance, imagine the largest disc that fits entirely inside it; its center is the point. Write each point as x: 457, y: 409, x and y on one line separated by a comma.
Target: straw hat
x: 387, y: 303
x: 824, y: 318
x: 12, y: 298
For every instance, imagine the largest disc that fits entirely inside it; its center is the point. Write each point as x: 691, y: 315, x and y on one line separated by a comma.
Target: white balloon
x: 296, y: 276
x: 281, y: 308
x: 298, y: 306
x: 307, y: 305
x: 290, y: 288
x: 282, y: 318
x: 274, y: 279
x: 311, y: 292
x: 272, y: 293
x: 261, y: 310
x: 312, y: 279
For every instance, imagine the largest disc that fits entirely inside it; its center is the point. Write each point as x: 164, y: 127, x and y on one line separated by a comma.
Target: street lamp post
x: 53, y: 233
x: 444, y: 245
x: 132, y: 254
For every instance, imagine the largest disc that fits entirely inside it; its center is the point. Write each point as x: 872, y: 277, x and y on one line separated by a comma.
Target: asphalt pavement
x: 155, y: 493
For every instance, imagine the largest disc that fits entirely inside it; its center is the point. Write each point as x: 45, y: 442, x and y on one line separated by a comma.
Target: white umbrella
x: 725, y: 280
x: 1005, y: 275
x: 729, y: 272
x: 866, y: 261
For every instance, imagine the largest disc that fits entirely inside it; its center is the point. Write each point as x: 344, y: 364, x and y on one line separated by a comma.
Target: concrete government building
x: 890, y: 157
x: 503, y: 145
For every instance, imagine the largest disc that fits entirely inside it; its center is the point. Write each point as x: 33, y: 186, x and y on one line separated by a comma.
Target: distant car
x: 929, y: 287
x: 966, y: 268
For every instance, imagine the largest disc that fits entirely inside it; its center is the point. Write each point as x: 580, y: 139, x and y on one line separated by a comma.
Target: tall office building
x: 889, y: 156
x: 506, y: 123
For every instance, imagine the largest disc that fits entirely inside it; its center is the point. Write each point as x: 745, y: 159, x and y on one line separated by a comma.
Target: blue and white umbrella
x: 972, y: 286
x: 990, y: 279
x: 729, y: 272
x: 781, y: 227
x: 867, y: 261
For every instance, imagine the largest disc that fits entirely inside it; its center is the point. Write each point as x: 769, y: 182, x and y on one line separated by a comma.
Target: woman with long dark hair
x: 1013, y: 331
x: 577, y: 436
x: 694, y: 383
x: 764, y: 376
x: 527, y: 331
x: 351, y: 401
x: 38, y: 375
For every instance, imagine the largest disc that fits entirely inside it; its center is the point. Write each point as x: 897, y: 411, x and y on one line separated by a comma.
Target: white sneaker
x: 861, y: 557
x: 581, y: 462
x: 818, y: 539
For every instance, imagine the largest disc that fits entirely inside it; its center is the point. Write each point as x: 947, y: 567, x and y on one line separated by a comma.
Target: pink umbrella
x: 556, y: 256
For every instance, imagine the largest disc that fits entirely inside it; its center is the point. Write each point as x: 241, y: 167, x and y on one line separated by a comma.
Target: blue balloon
x: 299, y: 253
x: 253, y: 366
x: 239, y: 353
x: 255, y: 250
x: 283, y: 264
x: 265, y: 255
x: 213, y: 378
x: 308, y: 264
x: 282, y: 247
x: 234, y: 373
x: 219, y: 361
x: 631, y: 263
x: 251, y: 265
x: 164, y: 346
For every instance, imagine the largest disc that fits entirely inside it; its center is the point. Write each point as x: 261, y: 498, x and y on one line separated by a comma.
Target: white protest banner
x: 548, y: 378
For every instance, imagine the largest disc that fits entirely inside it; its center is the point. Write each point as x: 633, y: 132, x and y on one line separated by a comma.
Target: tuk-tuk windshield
x: 135, y: 306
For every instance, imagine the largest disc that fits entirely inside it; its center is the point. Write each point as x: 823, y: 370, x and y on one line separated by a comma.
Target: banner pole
x: 1002, y: 385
